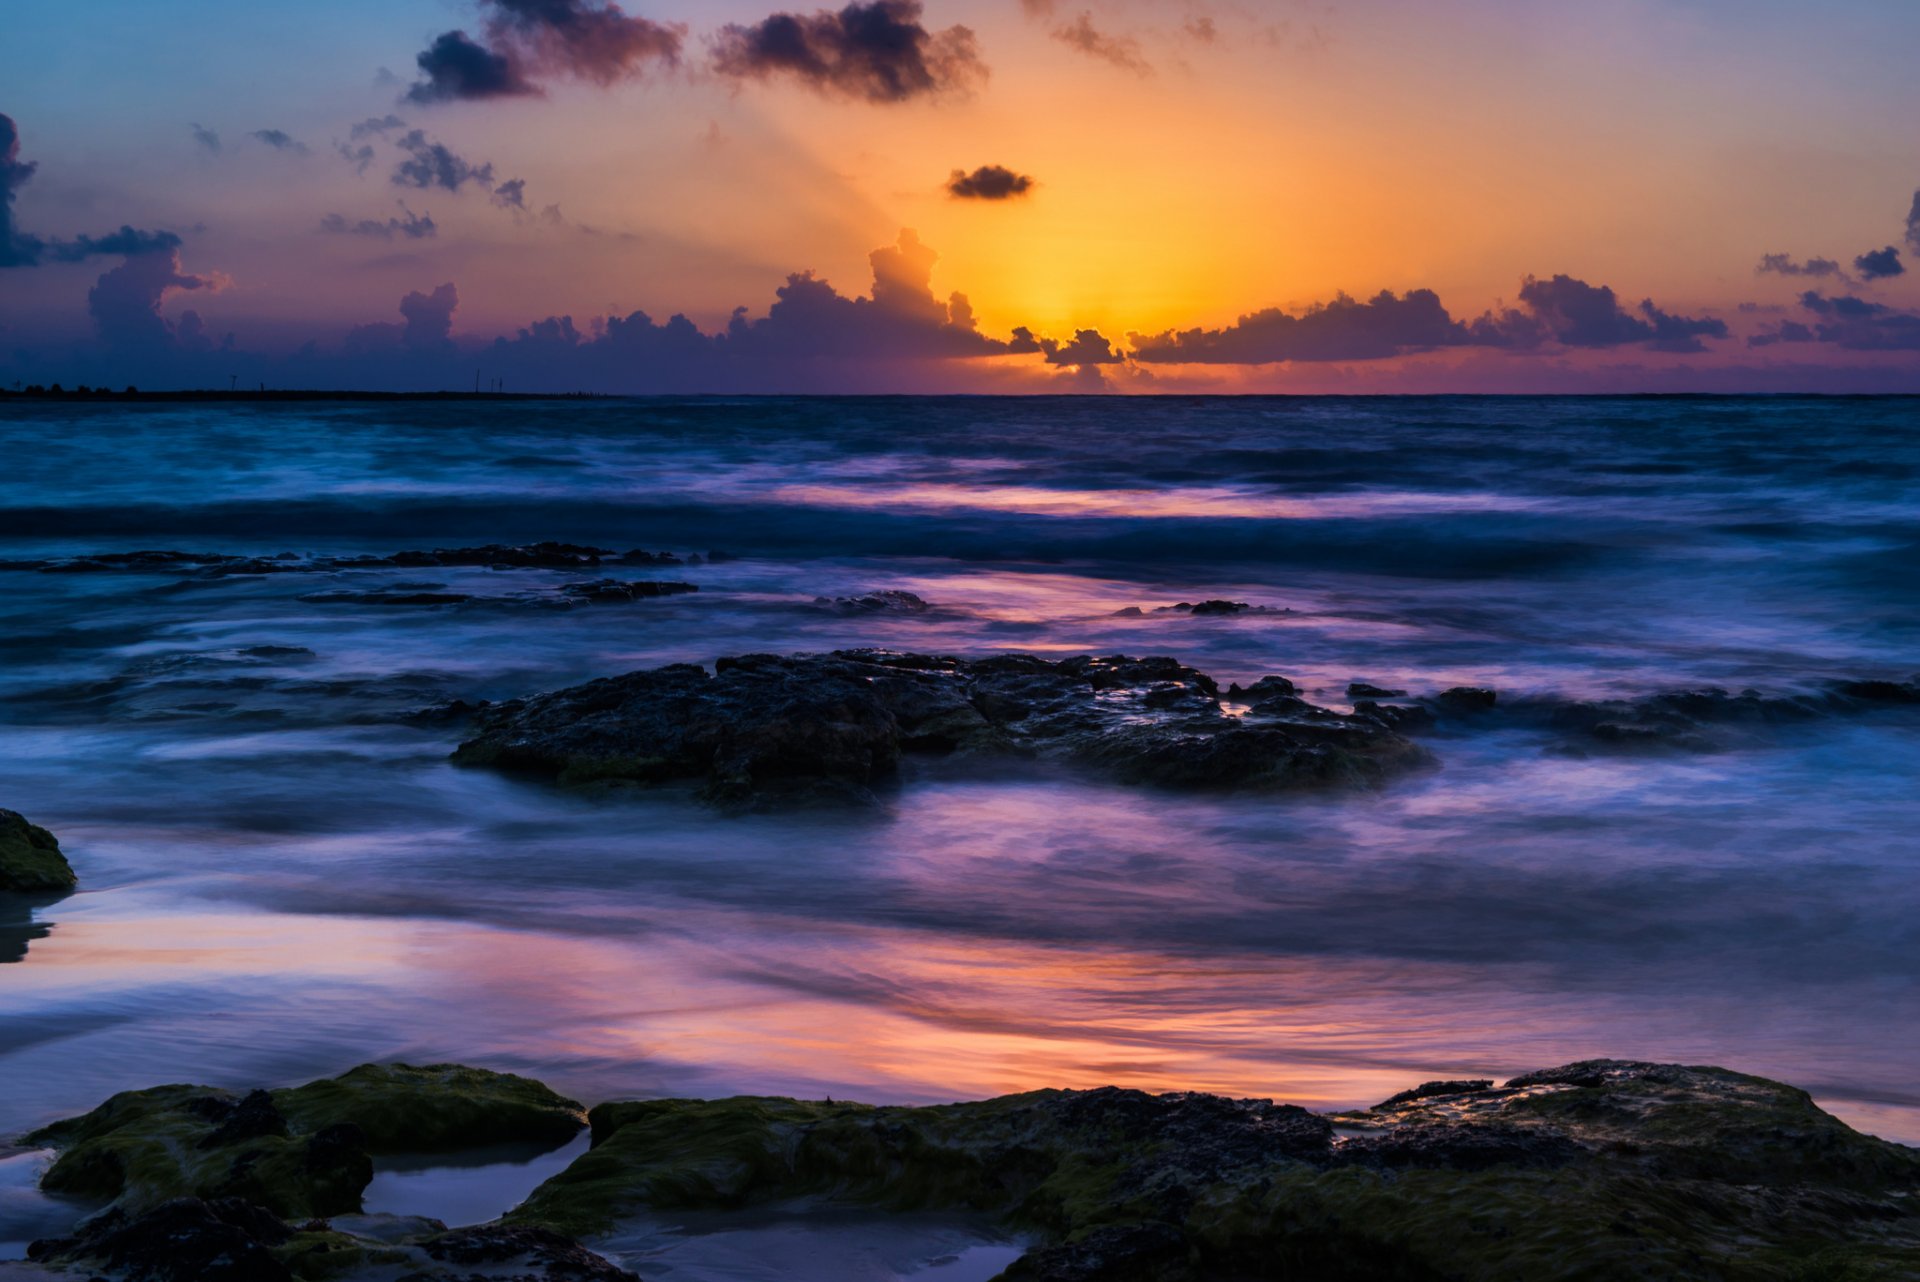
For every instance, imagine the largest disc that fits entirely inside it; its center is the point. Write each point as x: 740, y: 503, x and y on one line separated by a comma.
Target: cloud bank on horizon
x: 175, y: 303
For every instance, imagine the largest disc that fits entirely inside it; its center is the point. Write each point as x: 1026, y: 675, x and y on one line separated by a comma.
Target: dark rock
x: 1263, y: 689
x: 836, y: 726
x: 1881, y: 691
x: 184, y: 1240
x: 1407, y: 718
x: 30, y: 859
x: 1428, y: 1090
x: 1221, y: 607
x: 1216, y: 608
x: 544, y: 556
x: 1466, y: 699
x: 558, y: 1259
x: 884, y: 601
x: 1367, y: 690
x: 1474, y: 1146
x: 1127, y: 1253
x: 253, y: 1118
x: 613, y: 591
x: 1129, y: 612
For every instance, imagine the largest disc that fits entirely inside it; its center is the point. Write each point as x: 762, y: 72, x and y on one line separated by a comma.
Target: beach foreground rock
x: 30, y: 859
x: 768, y: 729
x: 1595, y: 1170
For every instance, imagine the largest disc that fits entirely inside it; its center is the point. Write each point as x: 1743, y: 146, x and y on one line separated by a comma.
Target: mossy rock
x: 143, y: 1148
x: 30, y: 859
x: 439, y: 1108
x: 1596, y: 1171
x: 298, y: 1153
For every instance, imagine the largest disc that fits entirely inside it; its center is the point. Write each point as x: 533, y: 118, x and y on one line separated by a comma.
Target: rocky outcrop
x: 766, y: 729
x: 1607, y: 1169
x: 883, y: 601
x: 30, y: 859
x: 296, y: 1153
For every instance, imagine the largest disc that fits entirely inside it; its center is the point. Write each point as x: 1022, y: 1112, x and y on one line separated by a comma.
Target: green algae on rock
x: 297, y: 1153
x: 438, y: 1108
x: 1599, y: 1170
x: 30, y: 858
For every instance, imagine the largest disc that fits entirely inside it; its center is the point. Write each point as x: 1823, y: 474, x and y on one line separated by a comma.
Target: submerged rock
x: 1605, y: 1169
x: 613, y: 591
x: 30, y: 859
x: 884, y: 601
x: 764, y: 728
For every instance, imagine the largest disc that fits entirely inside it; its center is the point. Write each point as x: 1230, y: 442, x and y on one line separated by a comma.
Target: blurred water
x: 280, y: 881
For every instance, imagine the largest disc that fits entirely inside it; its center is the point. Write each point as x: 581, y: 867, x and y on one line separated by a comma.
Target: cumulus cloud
x: 1783, y: 265
x: 878, y: 51
x: 458, y: 68
x: 1122, y: 51
x: 20, y: 249
x: 988, y: 182
x: 1561, y: 310
x: 593, y: 40
x: 432, y: 164
x: 411, y: 226
x: 1879, y: 264
x: 426, y: 331
x: 1087, y: 347
x: 1848, y: 322
x: 125, y: 302
x: 16, y: 249
x: 1344, y: 329
x: 280, y: 140
x: 205, y: 137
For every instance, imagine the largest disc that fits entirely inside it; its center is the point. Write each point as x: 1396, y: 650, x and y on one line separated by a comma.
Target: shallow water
x: 281, y: 882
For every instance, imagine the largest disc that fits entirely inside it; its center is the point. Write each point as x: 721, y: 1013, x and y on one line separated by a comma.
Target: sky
x: 962, y: 195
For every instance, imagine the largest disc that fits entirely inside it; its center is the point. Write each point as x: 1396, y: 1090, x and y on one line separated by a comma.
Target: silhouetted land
x: 58, y: 393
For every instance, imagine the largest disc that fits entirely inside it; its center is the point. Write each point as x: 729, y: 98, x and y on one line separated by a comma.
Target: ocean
x: 282, y: 874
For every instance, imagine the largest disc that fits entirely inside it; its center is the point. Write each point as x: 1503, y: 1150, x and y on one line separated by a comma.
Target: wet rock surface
x: 30, y: 859
x: 884, y: 601
x: 547, y: 555
x: 836, y: 727
x: 1598, y: 1169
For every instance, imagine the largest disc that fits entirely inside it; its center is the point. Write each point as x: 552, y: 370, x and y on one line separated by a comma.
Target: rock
x: 1465, y: 700
x: 606, y: 591
x: 763, y: 729
x: 884, y: 601
x: 30, y: 859
x: 298, y: 1153
x: 526, y: 1247
x: 184, y: 1240
x: 1220, y: 607
x: 1129, y: 612
x: 1428, y: 1090
x: 545, y: 556
x: 1406, y: 718
x: 439, y: 1108
x: 1262, y: 690
x: 1217, y: 609
x: 1367, y: 690
x: 1603, y: 1169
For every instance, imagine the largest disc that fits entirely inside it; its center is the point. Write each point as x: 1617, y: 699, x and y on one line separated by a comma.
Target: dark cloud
x: 593, y: 40
x: 1122, y: 51
x: 512, y: 194
x: 16, y: 249
x: 280, y: 140
x: 878, y: 51
x: 1913, y: 224
x: 205, y: 137
x: 1848, y: 322
x: 988, y: 182
x: 1342, y: 330
x: 902, y: 319
x: 457, y: 68
x: 19, y: 249
x: 427, y: 330
x: 1560, y: 311
x: 411, y: 226
x: 375, y: 127
x: 1087, y: 347
x: 431, y: 164
x: 1575, y: 314
x: 1880, y: 264
x: 1783, y: 265
x: 125, y: 302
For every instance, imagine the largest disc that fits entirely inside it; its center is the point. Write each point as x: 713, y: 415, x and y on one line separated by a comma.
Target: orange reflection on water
x: 1191, y: 502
